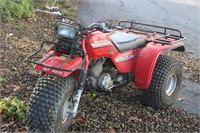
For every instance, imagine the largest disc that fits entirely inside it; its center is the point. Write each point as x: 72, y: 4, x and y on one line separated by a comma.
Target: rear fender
x: 146, y: 62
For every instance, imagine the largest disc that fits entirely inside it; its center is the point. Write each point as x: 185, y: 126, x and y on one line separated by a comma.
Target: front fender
x: 147, y: 59
x: 57, y: 65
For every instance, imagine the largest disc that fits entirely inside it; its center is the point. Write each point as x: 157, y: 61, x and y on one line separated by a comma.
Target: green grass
x: 20, y: 26
x: 13, y: 107
x: 1, y: 79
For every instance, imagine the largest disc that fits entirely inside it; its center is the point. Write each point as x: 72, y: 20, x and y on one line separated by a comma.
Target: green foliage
x: 1, y: 79
x: 12, y: 107
x: 118, y: 125
x: 147, y: 109
x: 20, y: 26
x: 10, y: 9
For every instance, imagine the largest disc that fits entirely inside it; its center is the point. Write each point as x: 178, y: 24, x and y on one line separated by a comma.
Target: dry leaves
x: 133, y: 119
x: 111, y: 130
x: 190, y: 65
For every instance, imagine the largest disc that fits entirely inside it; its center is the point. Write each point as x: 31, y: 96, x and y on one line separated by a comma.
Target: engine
x: 103, y: 76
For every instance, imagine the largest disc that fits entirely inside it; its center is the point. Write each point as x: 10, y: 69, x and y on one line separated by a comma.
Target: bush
x: 10, y: 9
x: 10, y: 107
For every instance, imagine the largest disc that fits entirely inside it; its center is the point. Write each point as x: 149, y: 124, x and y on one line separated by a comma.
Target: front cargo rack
x: 35, y: 58
x: 164, y: 35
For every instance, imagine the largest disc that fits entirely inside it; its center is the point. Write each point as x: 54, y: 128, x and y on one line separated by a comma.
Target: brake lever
x: 53, y: 8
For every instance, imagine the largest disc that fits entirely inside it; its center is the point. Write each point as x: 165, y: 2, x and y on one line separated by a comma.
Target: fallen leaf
x: 14, y: 68
x: 17, y: 88
x: 23, y: 129
x: 10, y: 34
x: 132, y: 118
x: 190, y: 52
x: 180, y: 99
x: 111, y: 130
x: 79, y: 120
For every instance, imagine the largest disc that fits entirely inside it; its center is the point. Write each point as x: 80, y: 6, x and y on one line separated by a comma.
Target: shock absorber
x: 77, y: 96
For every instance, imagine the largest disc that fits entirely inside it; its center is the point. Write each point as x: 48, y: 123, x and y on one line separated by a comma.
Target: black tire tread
x: 45, y: 98
x: 152, y: 96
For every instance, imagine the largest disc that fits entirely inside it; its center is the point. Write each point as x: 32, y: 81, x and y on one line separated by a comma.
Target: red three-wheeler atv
x: 101, y: 59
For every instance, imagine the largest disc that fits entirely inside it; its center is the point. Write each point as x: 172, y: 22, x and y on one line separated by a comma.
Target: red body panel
x: 109, y: 51
x: 124, y: 66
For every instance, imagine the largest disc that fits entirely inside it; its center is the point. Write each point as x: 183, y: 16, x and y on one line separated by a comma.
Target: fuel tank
x: 100, y: 45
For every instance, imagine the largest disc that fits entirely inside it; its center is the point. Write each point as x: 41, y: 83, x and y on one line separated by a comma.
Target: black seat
x: 124, y: 41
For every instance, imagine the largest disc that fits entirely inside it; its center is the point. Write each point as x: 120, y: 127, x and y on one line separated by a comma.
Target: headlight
x: 66, y: 32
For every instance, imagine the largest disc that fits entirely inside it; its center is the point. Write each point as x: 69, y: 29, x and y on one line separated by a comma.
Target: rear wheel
x: 165, y: 84
x: 49, y: 103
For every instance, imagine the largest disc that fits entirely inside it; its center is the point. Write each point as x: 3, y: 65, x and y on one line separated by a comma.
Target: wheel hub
x: 65, y: 110
x: 171, y: 84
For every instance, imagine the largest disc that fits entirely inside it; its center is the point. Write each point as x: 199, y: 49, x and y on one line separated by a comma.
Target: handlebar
x: 101, y: 26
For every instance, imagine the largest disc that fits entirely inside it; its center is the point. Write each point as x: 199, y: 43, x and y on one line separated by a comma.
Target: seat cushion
x: 124, y: 41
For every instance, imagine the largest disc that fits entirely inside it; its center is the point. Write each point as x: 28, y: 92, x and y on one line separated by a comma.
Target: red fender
x: 146, y: 62
x: 54, y: 61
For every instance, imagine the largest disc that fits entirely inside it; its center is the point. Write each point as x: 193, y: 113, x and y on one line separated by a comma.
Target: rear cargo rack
x: 164, y: 35
x: 39, y: 60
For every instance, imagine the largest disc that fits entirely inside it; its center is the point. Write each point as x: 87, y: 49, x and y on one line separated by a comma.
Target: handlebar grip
x: 107, y: 30
x: 100, y: 26
x: 42, y: 11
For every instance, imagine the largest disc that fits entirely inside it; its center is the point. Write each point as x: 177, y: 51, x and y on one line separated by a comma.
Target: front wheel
x: 165, y: 84
x: 49, y: 103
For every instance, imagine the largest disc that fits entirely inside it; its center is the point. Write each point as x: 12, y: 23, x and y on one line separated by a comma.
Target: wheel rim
x: 65, y: 110
x: 171, y: 84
